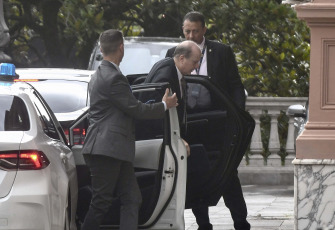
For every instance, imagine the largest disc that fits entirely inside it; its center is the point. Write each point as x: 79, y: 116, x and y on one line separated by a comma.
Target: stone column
x: 4, y: 36
x: 290, y: 148
x: 274, y: 144
x: 314, y: 166
x: 256, y: 145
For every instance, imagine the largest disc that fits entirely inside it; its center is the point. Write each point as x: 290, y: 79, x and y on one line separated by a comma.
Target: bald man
x: 185, y: 59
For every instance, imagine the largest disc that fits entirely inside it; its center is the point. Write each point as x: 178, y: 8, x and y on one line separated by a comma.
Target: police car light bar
x: 7, y: 72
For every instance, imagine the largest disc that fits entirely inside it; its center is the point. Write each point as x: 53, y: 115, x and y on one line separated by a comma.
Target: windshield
x: 139, y: 57
x: 63, y: 96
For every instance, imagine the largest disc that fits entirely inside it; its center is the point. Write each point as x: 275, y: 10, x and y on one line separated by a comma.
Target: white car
x: 65, y: 90
x: 38, y: 181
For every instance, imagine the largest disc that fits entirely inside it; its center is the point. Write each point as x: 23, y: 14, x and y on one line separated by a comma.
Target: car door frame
x: 210, y: 192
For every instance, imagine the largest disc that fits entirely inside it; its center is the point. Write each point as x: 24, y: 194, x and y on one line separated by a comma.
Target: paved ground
x: 269, y: 208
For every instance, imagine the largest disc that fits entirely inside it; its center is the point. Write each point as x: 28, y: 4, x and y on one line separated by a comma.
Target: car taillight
x: 79, y: 136
x: 23, y: 160
x: 66, y: 132
x: 9, y: 160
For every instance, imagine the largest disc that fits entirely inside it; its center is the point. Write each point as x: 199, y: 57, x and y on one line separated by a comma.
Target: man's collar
x: 201, y: 45
x: 179, y: 73
x: 116, y: 66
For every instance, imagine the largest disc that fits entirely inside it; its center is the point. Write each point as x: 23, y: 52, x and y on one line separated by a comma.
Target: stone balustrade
x: 275, y: 157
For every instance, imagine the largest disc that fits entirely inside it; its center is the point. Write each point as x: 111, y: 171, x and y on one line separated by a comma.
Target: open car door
x: 218, y: 133
x: 160, y: 167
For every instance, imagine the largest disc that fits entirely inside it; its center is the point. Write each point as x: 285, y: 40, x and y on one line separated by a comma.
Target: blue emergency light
x: 7, y: 72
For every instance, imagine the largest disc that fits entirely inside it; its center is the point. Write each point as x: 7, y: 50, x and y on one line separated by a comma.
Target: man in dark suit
x: 109, y: 147
x: 219, y: 63
x: 172, y: 69
x: 218, y: 60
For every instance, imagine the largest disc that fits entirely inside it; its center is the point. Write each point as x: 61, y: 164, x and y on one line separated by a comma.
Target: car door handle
x: 169, y: 171
x: 63, y: 157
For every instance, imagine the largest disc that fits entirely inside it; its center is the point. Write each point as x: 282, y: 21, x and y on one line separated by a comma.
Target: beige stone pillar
x: 314, y: 166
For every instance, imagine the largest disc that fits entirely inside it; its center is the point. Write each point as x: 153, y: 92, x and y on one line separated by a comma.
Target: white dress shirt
x: 203, y: 64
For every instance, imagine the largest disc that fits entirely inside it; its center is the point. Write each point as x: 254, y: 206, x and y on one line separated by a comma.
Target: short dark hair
x: 183, y: 48
x: 110, y: 41
x: 195, y: 16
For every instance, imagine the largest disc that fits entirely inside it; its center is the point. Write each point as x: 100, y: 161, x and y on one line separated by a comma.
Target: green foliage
x: 265, y: 124
x: 271, y: 44
x: 265, y: 134
x: 283, y: 131
x: 82, y: 21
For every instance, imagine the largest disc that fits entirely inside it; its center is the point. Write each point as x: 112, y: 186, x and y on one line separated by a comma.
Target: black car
x: 218, y: 136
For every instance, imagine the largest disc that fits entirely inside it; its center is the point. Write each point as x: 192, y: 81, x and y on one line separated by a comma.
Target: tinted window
x: 13, y: 114
x: 139, y: 57
x: 149, y: 128
x: 63, y: 96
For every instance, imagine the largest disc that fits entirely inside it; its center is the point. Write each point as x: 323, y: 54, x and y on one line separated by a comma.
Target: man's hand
x: 171, y: 101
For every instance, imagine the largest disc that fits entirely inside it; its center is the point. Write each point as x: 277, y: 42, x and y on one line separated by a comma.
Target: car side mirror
x: 297, y: 111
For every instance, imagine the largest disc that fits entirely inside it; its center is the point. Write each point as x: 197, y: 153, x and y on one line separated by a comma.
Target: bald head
x: 186, y: 48
x: 187, y: 56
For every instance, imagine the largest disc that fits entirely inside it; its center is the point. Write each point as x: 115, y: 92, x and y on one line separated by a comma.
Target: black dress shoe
x: 205, y: 227
x: 242, y: 225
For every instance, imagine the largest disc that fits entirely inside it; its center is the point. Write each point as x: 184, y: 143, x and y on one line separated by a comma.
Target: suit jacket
x: 165, y: 70
x: 113, y: 108
x: 222, y: 68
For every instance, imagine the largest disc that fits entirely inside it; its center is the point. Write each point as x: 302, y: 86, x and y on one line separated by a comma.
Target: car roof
x: 54, y: 73
x: 154, y: 39
x: 150, y: 40
x: 14, y: 88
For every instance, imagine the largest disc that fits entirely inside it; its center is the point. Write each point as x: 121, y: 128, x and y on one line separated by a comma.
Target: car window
x: 139, y: 57
x: 48, y: 126
x: 63, y: 96
x: 13, y: 114
x: 149, y: 128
